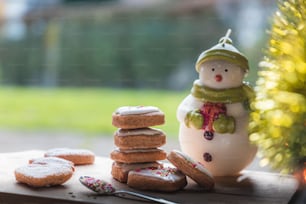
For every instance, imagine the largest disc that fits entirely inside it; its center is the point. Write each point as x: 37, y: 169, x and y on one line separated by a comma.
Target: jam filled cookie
x: 134, y: 117
x: 44, y: 172
x: 77, y: 156
x: 138, y: 156
x: 120, y: 170
x: 143, y: 138
x: 195, y: 170
x: 157, y: 179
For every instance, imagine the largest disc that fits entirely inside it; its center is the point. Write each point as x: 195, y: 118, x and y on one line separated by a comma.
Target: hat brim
x: 233, y: 57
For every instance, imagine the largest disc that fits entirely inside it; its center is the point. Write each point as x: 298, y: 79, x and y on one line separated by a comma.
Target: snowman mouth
x: 218, y: 77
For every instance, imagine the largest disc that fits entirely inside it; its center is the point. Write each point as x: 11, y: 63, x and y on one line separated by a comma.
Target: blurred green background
x: 67, y: 65
x: 87, y: 110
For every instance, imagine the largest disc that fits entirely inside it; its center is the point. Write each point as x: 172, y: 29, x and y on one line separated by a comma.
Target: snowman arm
x: 188, y: 104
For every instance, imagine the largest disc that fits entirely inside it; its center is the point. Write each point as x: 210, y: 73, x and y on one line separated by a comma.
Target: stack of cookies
x: 138, y: 143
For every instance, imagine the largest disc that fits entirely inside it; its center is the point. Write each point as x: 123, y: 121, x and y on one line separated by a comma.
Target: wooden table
x: 249, y: 187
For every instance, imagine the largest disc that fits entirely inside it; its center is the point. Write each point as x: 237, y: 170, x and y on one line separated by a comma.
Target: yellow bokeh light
x: 278, y: 120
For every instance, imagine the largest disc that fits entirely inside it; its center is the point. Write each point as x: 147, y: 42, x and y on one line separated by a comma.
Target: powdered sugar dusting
x: 140, y: 131
x: 55, y: 160
x: 67, y: 151
x: 166, y: 173
x: 42, y: 171
x: 132, y: 110
x: 193, y: 163
x: 138, y: 150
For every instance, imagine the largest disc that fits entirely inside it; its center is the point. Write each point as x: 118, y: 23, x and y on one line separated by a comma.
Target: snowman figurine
x: 214, y: 117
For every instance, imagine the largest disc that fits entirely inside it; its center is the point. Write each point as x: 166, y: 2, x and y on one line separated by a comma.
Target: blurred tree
x: 86, y: 1
x: 279, y: 110
x: 112, y: 44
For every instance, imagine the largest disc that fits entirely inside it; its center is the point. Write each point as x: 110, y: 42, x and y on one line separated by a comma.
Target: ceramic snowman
x: 214, y: 117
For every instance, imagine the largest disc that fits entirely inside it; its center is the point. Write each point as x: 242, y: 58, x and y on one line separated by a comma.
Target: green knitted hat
x: 223, y: 50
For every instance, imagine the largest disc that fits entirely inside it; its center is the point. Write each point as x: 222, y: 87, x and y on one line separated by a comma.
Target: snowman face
x: 220, y: 74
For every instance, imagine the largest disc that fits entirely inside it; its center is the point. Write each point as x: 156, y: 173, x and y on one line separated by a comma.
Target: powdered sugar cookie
x: 195, y: 170
x: 157, y: 179
x: 143, y: 138
x: 56, y: 160
x: 138, y: 155
x: 77, y: 156
x: 120, y: 170
x: 134, y: 117
x: 45, y: 172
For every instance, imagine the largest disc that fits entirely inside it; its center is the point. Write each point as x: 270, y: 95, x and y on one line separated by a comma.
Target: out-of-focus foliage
x: 279, y: 117
x: 98, y: 46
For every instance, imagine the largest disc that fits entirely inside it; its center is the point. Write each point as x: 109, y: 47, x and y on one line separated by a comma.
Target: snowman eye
x: 226, y: 70
x: 213, y: 69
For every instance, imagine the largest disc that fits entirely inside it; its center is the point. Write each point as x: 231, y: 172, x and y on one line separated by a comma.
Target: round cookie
x: 134, y: 117
x: 77, y: 156
x: 46, y: 160
x: 157, y: 179
x: 195, y: 170
x: 44, y: 172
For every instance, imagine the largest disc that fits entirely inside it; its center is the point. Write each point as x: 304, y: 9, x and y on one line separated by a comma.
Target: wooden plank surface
x: 249, y: 187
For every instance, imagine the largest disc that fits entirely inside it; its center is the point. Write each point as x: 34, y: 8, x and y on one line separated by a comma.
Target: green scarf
x: 243, y: 93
